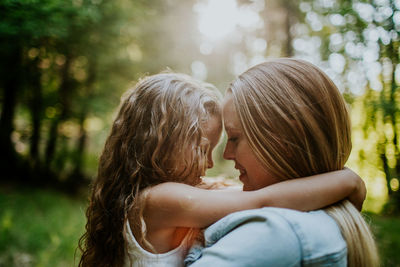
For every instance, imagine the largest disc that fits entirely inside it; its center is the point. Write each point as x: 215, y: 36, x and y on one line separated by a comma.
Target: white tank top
x: 136, y: 256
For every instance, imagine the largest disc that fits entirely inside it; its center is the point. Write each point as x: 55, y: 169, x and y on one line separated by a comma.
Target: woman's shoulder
x: 290, y: 215
x: 302, y: 223
x: 237, y: 219
x: 315, y: 234
x: 319, y: 235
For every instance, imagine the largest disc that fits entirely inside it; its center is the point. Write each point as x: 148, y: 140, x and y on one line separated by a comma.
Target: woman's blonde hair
x: 156, y: 137
x: 297, y: 123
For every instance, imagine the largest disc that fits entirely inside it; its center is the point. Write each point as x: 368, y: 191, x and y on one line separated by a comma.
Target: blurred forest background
x: 64, y: 65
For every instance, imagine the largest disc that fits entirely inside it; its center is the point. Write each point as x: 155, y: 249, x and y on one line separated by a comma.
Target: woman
x: 286, y: 119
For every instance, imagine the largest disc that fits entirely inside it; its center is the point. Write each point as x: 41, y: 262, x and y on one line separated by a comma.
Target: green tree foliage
x: 363, y: 37
x: 61, y: 61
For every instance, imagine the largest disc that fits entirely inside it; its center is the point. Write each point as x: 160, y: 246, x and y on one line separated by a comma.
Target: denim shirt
x: 271, y: 237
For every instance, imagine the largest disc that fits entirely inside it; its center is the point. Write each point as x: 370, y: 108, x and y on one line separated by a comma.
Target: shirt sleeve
x: 260, y: 242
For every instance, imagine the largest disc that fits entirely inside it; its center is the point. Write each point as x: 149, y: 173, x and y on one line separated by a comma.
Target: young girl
x: 144, y: 206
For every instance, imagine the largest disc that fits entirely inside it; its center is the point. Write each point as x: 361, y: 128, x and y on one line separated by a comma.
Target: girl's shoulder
x: 168, y: 191
x: 138, y: 256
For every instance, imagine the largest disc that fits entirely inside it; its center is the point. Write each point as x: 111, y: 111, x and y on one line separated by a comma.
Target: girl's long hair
x: 297, y: 123
x: 155, y: 138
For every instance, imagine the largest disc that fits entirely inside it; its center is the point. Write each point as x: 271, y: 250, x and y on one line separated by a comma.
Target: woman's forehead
x: 230, y: 117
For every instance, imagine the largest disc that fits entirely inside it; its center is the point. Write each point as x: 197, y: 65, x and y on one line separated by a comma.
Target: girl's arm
x: 180, y: 205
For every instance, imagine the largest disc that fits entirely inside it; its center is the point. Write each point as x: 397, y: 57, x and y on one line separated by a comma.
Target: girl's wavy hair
x: 155, y: 138
x: 297, y: 123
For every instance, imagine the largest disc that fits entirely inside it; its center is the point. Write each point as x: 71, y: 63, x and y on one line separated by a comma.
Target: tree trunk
x: 390, y: 106
x: 11, y: 84
x: 64, y: 93
x: 77, y: 177
x: 36, y: 113
x: 289, y: 21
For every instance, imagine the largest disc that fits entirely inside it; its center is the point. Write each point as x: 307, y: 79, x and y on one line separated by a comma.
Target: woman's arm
x: 180, y: 205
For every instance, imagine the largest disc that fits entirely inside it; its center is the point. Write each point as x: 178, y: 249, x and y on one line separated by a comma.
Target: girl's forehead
x: 213, y: 124
x: 213, y: 128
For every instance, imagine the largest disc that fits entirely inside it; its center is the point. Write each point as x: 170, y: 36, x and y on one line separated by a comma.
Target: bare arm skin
x: 171, y: 205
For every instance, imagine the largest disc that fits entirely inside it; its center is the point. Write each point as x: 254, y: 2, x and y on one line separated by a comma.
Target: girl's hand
x: 357, y: 197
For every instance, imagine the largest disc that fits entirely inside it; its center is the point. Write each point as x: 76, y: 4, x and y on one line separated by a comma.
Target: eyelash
x: 232, y: 139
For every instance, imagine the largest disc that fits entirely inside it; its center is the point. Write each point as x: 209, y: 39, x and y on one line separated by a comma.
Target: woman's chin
x: 247, y: 187
x: 244, y: 180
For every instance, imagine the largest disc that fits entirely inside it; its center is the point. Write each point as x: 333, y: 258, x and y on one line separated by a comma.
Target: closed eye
x: 232, y: 139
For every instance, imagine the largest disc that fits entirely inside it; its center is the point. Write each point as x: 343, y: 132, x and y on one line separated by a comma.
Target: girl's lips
x: 242, y: 174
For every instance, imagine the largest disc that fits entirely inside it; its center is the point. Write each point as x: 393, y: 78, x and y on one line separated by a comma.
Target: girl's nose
x: 228, y: 152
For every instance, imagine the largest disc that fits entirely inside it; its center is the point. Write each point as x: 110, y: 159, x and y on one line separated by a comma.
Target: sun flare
x: 219, y: 18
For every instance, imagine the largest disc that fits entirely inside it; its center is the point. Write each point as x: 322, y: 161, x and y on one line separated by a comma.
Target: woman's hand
x: 219, y: 183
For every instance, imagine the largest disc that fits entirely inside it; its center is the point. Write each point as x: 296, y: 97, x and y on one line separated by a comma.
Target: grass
x: 387, y: 234
x: 39, y: 228
x: 42, y: 228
